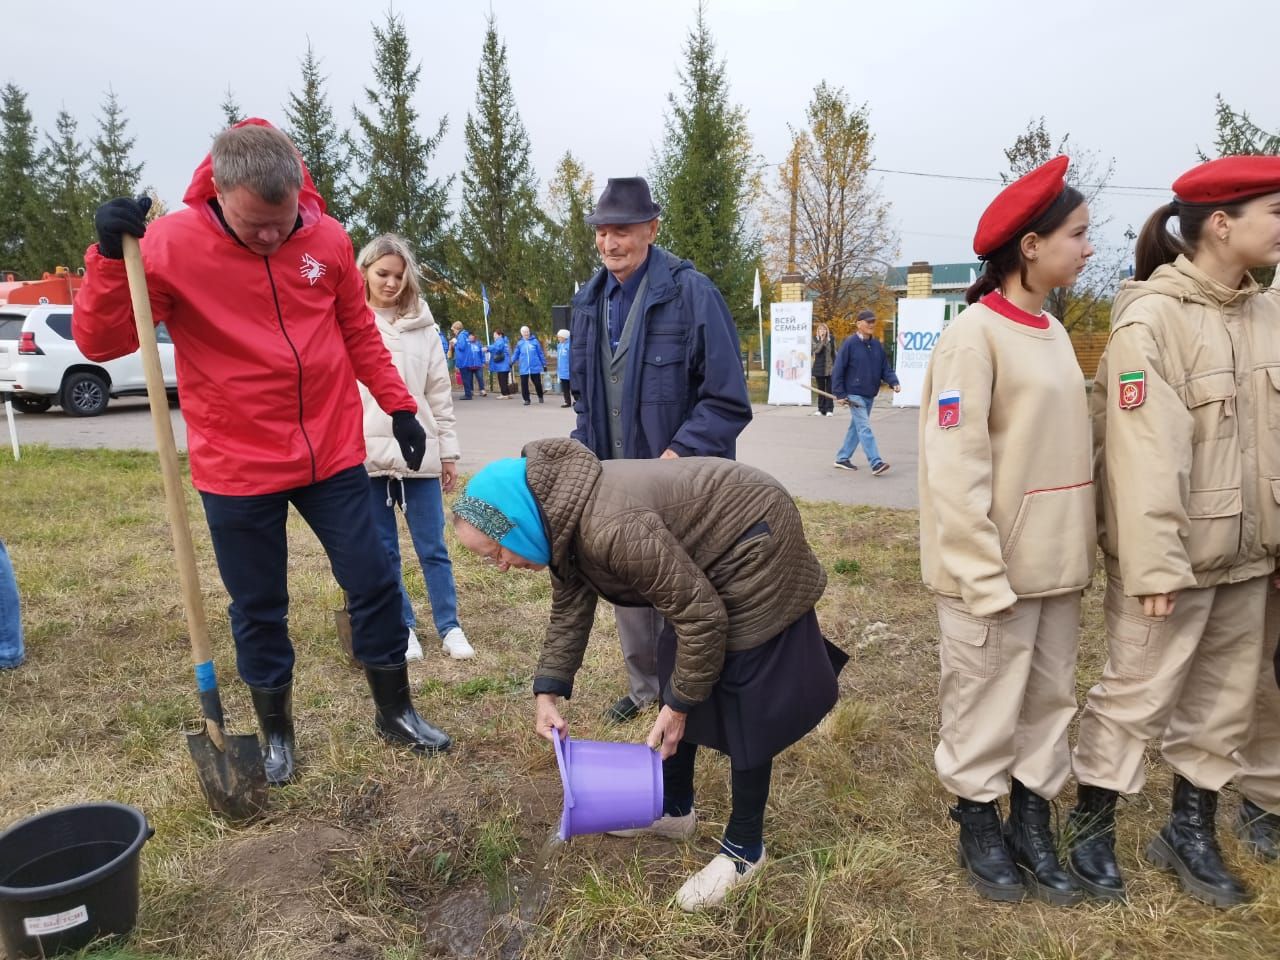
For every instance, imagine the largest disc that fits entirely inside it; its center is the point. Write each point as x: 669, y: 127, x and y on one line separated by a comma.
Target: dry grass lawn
x: 377, y: 855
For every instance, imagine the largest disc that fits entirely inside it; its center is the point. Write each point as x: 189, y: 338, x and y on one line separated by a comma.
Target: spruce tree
x: 232, y: 112
x: 499, y: 218
x: 704, y: 179
x: 572, y: 198
x: 19, y: 192
x: 66, y: 212
x: 325, y: 149
x: 113, y: 175
x: 397, y: 193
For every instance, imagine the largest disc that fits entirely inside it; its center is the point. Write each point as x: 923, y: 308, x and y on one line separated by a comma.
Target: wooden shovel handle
x: 813, y: 389
x: 174, y: 496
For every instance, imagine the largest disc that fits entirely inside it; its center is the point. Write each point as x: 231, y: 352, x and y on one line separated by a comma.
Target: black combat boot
x: 1188, y: 845
x: 1092, y: 829
x: 1030, y: 841
x: 1259, y: 830
x: 397, y: 721
x: 274, y: 707
x: 982, y: 850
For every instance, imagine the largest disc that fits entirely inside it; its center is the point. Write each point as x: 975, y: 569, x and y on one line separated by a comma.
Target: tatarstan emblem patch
x: 1133, y: 389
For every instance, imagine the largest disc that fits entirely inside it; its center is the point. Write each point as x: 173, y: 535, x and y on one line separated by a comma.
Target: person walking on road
x: 563, y: 352
x: 500, y: 363
x: 532, y: 362
x: 409, y: 333
x: 260, y: 292
x: 824, y: 356
x: 860, y: 367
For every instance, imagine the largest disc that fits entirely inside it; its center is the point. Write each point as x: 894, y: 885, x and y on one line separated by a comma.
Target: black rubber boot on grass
x: 274, y: 707
x: 397, y: 721
x: 1188, y: 845
x: 982, y: 852
x: 1029, y: 838
x: 1092, y: 831
x: 1258, y: 830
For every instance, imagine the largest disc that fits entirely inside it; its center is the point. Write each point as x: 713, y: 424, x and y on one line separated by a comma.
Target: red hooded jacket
x: 268, y: 349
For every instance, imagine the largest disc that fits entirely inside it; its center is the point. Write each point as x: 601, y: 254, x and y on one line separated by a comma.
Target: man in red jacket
x: 260, y: 291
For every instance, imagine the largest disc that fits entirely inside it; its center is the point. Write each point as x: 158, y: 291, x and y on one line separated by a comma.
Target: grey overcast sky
x: 949, y: 84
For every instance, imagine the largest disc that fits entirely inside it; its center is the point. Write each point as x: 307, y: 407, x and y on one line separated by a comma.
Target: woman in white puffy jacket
x: 409, y: 331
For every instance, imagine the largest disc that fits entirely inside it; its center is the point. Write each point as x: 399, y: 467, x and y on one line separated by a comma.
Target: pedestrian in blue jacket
x: 468, y: 358
x: 11, y: 649
x: 531, y: 361
x: 563, y: 354
x: 861, y: 365
x: 656, y: 372
x: 500, y: 362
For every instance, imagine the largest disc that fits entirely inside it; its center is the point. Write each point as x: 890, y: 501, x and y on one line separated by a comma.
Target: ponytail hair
x: 1004, y: 260
x: 1157, y: 244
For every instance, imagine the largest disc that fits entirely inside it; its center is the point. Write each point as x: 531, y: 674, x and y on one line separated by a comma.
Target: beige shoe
x: 669, y: 828
x: 710, y: 885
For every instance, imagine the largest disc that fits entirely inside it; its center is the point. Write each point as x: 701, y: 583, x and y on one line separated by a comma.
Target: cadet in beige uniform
x: 1186, y: 408
x: 1258, y: 819
x: 1007, y: 535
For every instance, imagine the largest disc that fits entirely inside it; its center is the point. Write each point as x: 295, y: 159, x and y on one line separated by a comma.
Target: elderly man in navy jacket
x: 655, y: 372
x: 860, y: 367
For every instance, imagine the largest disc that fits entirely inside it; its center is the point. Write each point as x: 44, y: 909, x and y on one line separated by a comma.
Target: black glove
x: 117, y: 217
x: 411, y: 437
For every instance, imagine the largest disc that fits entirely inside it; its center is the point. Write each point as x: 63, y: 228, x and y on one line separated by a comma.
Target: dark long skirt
x: 767, y: 697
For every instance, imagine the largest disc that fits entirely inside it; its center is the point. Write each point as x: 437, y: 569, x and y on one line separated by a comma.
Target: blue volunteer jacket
x: 503, y: 365
x: 860, y: 366
x: 685, y: 387
x: 529, y: 355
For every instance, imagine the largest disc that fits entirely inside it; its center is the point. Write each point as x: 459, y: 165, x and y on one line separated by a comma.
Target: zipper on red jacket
x: 296, y: 359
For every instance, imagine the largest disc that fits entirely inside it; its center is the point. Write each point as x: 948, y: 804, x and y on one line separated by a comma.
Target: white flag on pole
x: 755, y: 292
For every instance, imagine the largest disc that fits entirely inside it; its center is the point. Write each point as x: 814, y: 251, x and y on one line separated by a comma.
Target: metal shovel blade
x: 234, y: 780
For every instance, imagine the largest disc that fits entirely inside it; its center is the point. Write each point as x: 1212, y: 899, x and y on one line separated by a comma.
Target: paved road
x: 789, y: 442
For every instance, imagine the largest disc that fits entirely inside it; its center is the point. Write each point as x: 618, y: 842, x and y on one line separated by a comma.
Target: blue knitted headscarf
x: 499, y: 503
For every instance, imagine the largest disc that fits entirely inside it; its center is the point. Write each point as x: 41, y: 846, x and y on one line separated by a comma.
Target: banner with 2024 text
x: 790, y: 365
x: 920, y: 324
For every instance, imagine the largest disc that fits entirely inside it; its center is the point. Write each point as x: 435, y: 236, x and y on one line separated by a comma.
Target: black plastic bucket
x: 70, y: 876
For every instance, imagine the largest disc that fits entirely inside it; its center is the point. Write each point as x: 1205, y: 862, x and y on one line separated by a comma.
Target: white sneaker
x: 455, y: 645
x: 710, y: 885
x: 414, y: 650
x: 669, y: 828
x: 817, y: 413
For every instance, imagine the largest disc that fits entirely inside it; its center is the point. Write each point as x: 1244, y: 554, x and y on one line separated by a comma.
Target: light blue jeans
x: 11, y: 651
x: 420, y: 500
x: 860, y: 429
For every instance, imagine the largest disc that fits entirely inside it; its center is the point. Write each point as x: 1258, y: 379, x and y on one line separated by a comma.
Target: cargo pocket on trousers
x: 1130, y: 646
x: 970, y: 645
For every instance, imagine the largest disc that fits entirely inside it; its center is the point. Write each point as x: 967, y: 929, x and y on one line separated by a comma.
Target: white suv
x: 41, y: 365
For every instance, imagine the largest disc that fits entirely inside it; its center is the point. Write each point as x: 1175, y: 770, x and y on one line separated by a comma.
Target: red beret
x: 1018, y: 204
x: 1227, y: 179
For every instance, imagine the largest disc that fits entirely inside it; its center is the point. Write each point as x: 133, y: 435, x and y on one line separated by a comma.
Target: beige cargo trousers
x: 1260, y: 778
x: 1007, y: 696
x: 1190, y: 676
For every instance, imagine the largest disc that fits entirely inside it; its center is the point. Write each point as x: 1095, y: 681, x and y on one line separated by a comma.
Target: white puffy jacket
x: 414, y: 343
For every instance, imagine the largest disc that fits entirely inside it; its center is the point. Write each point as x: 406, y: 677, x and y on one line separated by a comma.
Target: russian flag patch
x: 949, y: 409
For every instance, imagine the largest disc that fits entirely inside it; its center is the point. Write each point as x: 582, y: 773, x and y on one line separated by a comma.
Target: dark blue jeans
x: 253, y: 555
x: 468, y: 374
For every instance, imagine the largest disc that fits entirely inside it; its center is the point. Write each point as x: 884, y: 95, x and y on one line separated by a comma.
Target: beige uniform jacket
x: 414, y: 344
x: 1006, y: 499
x: 1186, y: 416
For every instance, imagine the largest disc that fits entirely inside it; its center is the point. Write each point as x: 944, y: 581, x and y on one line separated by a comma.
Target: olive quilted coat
x: 717, y: 547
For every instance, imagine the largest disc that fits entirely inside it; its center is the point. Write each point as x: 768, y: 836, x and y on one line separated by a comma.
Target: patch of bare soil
x: 464, y: 924
x: 282, y: 864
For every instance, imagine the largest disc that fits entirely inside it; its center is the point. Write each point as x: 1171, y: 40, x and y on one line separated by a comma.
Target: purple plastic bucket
x: 607, y: 786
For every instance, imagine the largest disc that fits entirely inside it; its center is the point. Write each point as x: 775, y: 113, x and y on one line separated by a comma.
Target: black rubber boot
x: 1188, y: 845
x: 982, y: 851
x: 1092, y: 829
x: 1259, y: 830
x: 1030, y: 841
x: 397, y: 721
x: 274, y: 707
